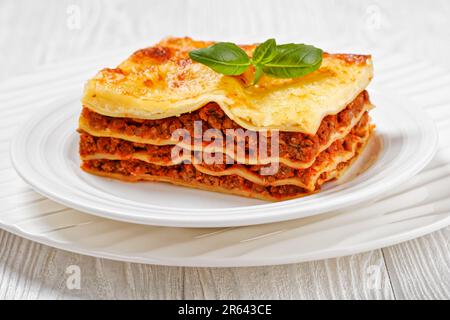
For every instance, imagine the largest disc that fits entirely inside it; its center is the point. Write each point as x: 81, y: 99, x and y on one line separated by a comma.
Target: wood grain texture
x: 343, y: 278
x: 420, y: 269
x: 32, y: 35
x: 32, y: 271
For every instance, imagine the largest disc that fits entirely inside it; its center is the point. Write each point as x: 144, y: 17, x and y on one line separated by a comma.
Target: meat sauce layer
x: 125, y: 149
x: 295, y: 146
x: 338, y: 147
x: 188, y: 174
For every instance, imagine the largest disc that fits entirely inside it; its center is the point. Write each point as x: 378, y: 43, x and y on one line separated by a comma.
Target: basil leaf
x: 258, y: 74
x: 293, y: 60
x: 264, y: 52
x: 223, y: 57
x: 283, y: 61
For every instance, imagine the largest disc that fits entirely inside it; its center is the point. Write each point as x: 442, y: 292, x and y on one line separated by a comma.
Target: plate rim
x: 194, y: 261
x: 287, y: 213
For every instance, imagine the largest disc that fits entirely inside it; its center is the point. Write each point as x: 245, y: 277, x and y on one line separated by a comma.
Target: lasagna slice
x: 159, y: 116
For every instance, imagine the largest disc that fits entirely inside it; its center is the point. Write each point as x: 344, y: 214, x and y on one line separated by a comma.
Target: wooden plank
x: 32, y: 271
x: 420, y: 269
x: 361, y: 276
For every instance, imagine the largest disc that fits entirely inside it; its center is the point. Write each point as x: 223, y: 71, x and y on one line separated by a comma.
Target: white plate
x: 419, y: 206
x: 45, y: 155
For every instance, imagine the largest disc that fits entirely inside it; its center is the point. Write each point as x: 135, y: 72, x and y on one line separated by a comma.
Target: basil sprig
x: 279, y: 61
x: 223, y: 57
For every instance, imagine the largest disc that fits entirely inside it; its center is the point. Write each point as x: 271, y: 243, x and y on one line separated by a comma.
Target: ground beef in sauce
x: 284, y: 171
x: 188, y: 173
x: 292, y: 145
x: 124, y: 149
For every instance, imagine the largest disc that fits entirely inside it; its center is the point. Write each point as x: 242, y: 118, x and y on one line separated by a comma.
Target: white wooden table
x: 33, y: 34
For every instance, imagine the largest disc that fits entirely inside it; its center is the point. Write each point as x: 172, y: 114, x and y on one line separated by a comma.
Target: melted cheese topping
x: 161, y: 81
